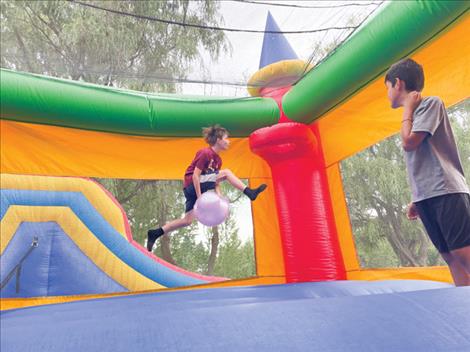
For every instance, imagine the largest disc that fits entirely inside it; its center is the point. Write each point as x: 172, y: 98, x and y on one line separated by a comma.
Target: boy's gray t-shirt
x: 434, y: 168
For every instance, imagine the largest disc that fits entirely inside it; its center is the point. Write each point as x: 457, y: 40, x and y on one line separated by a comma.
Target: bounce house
x: 73, y: 278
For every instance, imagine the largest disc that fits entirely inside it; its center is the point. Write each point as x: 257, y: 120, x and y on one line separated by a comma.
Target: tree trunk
x: 214, y: 249
x: 165, y: 239
x: 396, y: 240
x: 422, y: 248
x: 166, y: 250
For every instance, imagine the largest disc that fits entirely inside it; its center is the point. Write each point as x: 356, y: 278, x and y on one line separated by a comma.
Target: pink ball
x: 210, y: 209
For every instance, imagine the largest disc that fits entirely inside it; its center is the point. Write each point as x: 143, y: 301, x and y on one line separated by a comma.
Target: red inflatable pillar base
x: 309, y: 237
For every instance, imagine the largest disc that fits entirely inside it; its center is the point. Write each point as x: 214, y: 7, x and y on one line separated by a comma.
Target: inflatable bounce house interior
x: 73, y: 278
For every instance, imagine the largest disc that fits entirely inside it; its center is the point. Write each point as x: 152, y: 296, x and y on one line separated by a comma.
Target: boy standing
x: 440, y: 194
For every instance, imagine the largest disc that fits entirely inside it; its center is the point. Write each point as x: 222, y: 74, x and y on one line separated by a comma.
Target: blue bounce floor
x: 322, y: 316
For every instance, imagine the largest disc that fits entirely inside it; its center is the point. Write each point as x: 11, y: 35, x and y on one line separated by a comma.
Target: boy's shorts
x: 190, y: 194
x: 447, y: 220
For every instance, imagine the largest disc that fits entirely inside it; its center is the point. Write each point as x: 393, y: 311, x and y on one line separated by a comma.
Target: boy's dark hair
x: 212, y: 133
x: 410, y: 72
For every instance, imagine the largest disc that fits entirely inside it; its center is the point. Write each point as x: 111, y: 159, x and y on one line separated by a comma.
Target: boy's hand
x: 412, y: 212
x: 411, y: 102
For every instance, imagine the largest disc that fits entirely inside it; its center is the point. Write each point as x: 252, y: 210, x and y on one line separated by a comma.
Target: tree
x: 147, y: 203
x: 210, y: 251
x: 377, y: 193
x: 220, y: 252
x: 236, y: 259
x: 69, y: 40
x: 460, y: 120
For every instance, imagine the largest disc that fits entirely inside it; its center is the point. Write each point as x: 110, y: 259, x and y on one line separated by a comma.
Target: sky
x: 238, y: 65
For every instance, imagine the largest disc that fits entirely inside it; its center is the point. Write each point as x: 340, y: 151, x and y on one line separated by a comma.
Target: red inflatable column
x: 309, y: 237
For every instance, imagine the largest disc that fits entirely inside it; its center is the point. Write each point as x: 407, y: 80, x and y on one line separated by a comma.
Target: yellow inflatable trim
x: 93, y: 192
x: 15, y: 303
x: 98, y: 253
x: 282, y: 71
x: 433, y: 273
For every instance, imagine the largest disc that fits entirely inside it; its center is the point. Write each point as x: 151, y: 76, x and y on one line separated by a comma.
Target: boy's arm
x: 410, y: 140
x: 196, y: 182
x: 217, y: 189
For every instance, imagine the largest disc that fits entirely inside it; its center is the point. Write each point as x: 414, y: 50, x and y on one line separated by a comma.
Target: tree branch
x: 23, y: 48
x: 214, y: 250
x: 138, y: 187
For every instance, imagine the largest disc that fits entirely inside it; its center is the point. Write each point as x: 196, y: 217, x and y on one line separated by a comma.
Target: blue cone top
x: 275, y: 46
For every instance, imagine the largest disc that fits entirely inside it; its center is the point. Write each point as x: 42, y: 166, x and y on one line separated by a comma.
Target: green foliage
x: 236, y: 259
x: 149, y: 204
x: 377, y: 194
x: 187, y: 252
x: 460, y: 120
x: 64, y: 39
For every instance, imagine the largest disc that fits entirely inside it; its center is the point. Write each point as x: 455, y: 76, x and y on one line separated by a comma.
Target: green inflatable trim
x: 39, y: 99
x: 397, y: 31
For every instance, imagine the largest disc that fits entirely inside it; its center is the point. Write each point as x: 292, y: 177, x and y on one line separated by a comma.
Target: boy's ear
x: 400, y: 85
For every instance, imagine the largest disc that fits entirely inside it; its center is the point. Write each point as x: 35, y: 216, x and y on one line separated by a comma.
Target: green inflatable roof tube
x: 40, y: 99
x: 398, y: 30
